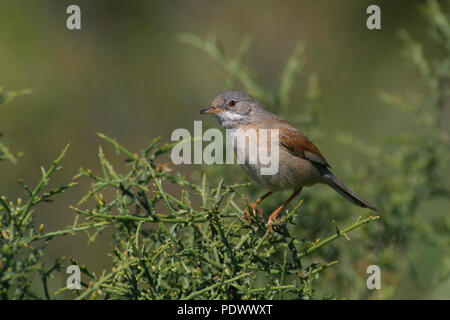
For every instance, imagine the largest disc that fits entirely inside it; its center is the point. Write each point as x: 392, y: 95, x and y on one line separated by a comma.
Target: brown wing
x: 296, y: 143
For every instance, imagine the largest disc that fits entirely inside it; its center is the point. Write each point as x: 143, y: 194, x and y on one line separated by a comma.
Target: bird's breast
x: 291, y: 172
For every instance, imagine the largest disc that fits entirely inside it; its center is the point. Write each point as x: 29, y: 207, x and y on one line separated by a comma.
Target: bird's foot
x: 252, y: 210
x: 270, y: 225
x: 273, y: 220
x: 274, y: 215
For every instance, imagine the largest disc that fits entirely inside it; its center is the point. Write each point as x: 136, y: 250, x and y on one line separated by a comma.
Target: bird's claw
x: 270, y: 224
x: 254, y: 210
x: 247, y: 216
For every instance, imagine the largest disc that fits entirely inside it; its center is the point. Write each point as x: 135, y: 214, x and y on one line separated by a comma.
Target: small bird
x: 300, y: 161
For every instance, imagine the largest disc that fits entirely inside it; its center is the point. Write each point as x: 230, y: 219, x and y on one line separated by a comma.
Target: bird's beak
x: 210, y: 110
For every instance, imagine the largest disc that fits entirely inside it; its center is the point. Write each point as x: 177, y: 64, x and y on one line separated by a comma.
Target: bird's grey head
x: 234, y: 108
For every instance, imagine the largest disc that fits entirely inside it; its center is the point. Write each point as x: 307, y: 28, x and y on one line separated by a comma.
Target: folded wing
x: 296, y: 143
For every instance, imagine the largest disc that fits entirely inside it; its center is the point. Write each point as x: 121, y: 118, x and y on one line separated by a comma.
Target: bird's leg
x: 274, y: 215
x: 254, y: 207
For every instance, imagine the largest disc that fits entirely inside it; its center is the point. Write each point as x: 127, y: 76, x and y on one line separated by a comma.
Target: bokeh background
x: 124, y: 74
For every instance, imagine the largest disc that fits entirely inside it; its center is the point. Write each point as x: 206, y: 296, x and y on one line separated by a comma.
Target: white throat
x: 228, y: 119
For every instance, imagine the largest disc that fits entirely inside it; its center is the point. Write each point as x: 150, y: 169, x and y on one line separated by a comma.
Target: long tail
x: 346, y: 192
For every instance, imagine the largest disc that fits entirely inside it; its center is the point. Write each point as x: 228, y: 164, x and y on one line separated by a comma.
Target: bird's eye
x: 232, y: 103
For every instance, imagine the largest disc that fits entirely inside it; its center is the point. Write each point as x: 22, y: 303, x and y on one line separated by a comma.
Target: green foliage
x: 21, y: 247
x: 180, y: 238
x: 164, y: 246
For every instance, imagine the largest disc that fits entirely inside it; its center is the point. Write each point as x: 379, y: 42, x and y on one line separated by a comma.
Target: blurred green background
x: 124, y: 74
